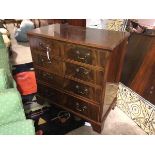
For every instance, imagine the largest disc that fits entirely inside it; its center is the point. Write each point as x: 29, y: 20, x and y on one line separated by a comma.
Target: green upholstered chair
x: 5, y: 63
x: 12, y: 116
x: 3, y: 80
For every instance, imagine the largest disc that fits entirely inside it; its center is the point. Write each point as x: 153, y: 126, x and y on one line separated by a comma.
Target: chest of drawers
x: 139, y: 68
x: 78, y: 69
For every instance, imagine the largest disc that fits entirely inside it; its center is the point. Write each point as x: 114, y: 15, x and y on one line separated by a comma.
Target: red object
x: 26, y: 82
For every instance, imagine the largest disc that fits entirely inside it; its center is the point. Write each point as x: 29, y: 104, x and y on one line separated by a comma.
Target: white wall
x: 96, y: 23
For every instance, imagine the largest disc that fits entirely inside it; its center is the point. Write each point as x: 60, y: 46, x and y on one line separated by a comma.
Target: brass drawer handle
x: 80, y: 108
x: 83, y: 58
x: 41, y: 45
x: 81, y: 90
x: 82, y: 70
x: 42, y: 60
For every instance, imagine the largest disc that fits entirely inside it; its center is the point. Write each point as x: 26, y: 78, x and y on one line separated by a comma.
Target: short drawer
x: 51, y: 64
x: 83, y: 90
x: 44, y: 45
x: 50, y: 78
x: 86, y: 55
x: 83, y: 73
x: 49, y: 93
x: 84, y: 108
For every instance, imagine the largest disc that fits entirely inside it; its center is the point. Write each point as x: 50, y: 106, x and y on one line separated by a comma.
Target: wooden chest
x: 139, y: 67
x: 78, y: 68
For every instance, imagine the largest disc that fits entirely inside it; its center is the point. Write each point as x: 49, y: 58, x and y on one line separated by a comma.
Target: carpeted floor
x: 117, y: 123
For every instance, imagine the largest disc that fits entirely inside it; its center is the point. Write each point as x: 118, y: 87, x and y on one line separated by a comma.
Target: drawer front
x: 83, y: 90
x: 49, y: 93
x: 48, y: 63
x: 44, y: 46
x: 50, y: 78
x: 81, y: 107
x: 76, y: 105
x: 84, y: 73
x: 68, y: 85
x: 86, y: 55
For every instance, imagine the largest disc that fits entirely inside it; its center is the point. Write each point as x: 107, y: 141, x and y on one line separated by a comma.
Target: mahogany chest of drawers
x: 78, y: 68
x: 138, y: 72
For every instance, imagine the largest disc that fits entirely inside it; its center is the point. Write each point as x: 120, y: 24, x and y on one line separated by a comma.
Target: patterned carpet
x: 48, y: 119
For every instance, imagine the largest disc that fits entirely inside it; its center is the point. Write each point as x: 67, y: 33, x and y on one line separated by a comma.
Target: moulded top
x: 99, y: 38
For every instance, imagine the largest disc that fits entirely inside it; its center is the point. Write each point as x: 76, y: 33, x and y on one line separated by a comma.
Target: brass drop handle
x: 82, y: 91
x: 82, y: 70
x: 84, y: 58
x: 80, y: 108
x: 41, y: 45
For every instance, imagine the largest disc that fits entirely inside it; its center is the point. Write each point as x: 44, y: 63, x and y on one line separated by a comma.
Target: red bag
x: 26, y: 82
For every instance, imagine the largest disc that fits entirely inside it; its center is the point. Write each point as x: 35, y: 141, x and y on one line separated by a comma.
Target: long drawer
x: 68, y: 51
x: 69, y: 85
x: 76, y: 105
x: 57, y: 67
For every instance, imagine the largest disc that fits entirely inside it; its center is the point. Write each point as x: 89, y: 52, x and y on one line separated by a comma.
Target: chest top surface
x: 98, y: 38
